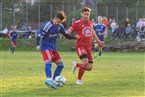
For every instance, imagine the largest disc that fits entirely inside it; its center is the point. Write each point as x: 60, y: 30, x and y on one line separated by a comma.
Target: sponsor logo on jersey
x: 87, y: 31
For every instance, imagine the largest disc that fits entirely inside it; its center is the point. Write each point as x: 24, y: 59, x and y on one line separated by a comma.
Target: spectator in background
x: 5, y: 32
x: 126, y: 22
x: 128, y: 31
x: 106, y: 23
x: 93, y: 21
x: 134, y: 32
x: 123, y: 31
x: 116, y: 33
x: 109, y: 28
x: 144, y: 21
x: 142, y: 32
x: 113, y: 26
x: 138, y: 26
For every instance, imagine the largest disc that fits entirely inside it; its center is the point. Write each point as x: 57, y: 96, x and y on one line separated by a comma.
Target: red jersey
x: 84, y: 31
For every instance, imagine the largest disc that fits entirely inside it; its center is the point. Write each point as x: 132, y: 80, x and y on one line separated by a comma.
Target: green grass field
x: 115, y: 75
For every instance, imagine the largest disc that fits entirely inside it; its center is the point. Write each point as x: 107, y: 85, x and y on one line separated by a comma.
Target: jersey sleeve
x: 63, y: 32
x: 43, y: 31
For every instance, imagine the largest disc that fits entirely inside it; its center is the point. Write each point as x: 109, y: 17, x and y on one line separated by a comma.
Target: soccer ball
x: 60, y: 81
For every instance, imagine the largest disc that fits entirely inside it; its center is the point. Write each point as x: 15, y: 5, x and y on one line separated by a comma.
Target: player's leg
x: 96, y: 49
x: 81, y: 67
x: 82, y: 53
x: 59, y: 64
x: 12, y: 48
x: 47, y: 57
x: 100, y: 51
x: 89, y: 66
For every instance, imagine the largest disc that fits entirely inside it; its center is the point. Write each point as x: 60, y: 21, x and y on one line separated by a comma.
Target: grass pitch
x: 115, y: 75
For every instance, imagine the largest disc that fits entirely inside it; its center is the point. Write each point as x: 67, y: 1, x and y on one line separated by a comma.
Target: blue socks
x: 48, y: 66
x: 58, y: 69
x: 12, y: 49
x: 100, y: 53
x: 96, y: 50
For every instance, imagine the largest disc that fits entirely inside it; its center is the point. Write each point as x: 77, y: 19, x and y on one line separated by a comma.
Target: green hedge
x: 29, y: 44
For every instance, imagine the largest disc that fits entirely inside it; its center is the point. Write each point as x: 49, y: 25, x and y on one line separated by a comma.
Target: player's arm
x: 69, y: 31
x: 105, y: 30
x: 97, y: 39
x: 66, y: 35
x: 103, y: 33
x: 39, y: 36
x: 72, y: 28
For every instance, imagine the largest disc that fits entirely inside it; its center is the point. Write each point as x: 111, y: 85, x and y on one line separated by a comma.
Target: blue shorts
x: 101, y: 38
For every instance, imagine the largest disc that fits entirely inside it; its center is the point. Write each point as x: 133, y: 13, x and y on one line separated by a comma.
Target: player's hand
x: 101, y: 44
x: 77, y: 36
x: 38, y: 47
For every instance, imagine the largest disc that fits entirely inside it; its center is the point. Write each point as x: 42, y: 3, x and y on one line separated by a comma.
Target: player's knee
x: 89, y: 67
x: 60, y: 64
x: 85, y: 61
x: 48, y: 61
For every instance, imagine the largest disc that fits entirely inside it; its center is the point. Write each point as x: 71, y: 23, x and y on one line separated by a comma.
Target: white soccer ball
x: 60, y: 81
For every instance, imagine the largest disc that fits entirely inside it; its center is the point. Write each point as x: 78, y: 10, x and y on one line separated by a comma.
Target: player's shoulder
x: 61, y: 26
x: 104, y: 25
x: 77, y: 21
x: 96, y: 24
x: 47, y: 25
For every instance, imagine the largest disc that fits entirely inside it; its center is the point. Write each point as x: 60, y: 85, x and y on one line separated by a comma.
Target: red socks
x: 81, y: 70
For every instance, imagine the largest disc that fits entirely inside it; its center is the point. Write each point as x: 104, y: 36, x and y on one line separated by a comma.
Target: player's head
x: 14, y: 27
x: 59, y: 18
x: 85, y: 13
x: 100, y: 19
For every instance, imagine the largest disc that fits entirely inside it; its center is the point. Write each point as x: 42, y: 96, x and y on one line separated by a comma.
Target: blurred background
x: 125, y: 18
x: 36, y: 12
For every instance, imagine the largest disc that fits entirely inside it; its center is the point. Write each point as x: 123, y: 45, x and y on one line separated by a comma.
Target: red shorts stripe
x: 50, y: 55
x: 13, y: 43
x: 84, y: 50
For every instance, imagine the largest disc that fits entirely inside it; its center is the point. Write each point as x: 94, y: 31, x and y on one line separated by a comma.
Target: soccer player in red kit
x: 84, y: 29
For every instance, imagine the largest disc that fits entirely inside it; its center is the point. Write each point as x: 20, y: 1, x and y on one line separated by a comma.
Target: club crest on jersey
x: 87, y: 31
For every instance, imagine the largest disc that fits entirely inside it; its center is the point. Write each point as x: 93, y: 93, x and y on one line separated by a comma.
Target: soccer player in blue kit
x: 100, y: 32
x: 13, y: 36
x: 49, y: 33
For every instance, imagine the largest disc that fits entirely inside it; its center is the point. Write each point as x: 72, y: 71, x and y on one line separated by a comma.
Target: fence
x: 36, y: 13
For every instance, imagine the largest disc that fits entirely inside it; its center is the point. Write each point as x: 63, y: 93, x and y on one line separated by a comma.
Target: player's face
x: 99, y: 20
x: 57, y: 21
x: 86, y: 15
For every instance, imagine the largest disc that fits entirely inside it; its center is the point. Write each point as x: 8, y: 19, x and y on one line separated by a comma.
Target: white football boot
x: 79, y: 82
x: 74, y: 67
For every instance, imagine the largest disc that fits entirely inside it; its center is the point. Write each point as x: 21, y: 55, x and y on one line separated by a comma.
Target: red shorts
x: 13, y: 43
x: 50, y: 55
x: 85, y: 50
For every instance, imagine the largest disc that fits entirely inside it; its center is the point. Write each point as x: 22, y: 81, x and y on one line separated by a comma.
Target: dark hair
x: 61, y: 15
x: 86, y: 9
